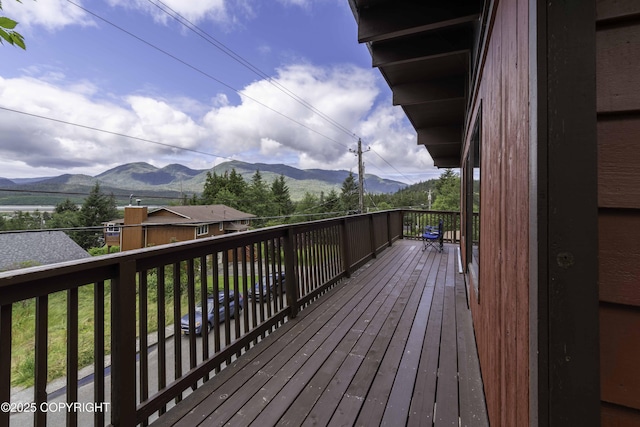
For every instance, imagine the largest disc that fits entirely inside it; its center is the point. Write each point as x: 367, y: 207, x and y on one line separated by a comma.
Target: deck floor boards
x: 381, y: 348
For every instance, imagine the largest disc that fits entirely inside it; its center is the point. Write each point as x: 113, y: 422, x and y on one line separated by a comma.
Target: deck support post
x: 344, y: 247
x: 291, y: 281
x: 123, y: 345
x: 372, y: 234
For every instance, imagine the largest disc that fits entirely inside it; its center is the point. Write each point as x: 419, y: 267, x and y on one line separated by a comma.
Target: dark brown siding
x: 164, y: 235
x: 501, y: 308
x: 618, y: 91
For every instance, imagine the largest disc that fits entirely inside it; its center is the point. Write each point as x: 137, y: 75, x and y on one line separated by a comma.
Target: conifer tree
x: 349, y: 195
x: 96, y: 209
x: 281, y: 196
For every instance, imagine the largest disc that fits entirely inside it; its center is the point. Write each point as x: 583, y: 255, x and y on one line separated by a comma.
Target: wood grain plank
x: 619, y: 256
x: 424, y: 393
x: 616, y: 9
x: 473, y: 410
x: 618, y: 69
x: 446, y: 413
x: 618, y: 159
x: 389, y: 398
x: 619, y: 355
x: 617, y: 416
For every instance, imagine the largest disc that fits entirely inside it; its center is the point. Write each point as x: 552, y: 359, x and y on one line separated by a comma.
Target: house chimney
x: 133, y: 231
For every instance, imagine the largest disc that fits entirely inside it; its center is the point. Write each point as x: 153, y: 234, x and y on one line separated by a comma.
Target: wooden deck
x: 392, y: 345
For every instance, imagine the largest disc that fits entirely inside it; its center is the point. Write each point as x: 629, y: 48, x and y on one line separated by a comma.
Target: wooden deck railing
x: 137, y: 299
x: 414, y: 222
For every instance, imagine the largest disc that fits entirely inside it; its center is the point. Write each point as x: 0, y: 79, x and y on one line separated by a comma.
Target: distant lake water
x: 26, y: 208
x: 33, y: 208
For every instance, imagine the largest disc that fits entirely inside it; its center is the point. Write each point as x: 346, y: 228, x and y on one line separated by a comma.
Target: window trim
x: 473, y: 162
x: 202, y: 230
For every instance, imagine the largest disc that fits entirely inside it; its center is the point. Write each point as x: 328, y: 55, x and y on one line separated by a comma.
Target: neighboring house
x: 140, y: 228
x: 27, y: 249
x: 538, y: 104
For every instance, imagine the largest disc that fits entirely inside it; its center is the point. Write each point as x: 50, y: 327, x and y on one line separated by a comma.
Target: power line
x: 204, y: 73
x: 228, y: 52
x: 247, y: 64
x: 238, y: 58
x: 114, y: 133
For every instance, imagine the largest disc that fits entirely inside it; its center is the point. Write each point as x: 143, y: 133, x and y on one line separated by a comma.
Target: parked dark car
x: 204, y: 326
x: 273, y: 282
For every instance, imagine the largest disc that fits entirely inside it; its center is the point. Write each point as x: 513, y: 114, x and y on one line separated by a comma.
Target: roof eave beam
x: 429, y: 91
x: 381, y: 31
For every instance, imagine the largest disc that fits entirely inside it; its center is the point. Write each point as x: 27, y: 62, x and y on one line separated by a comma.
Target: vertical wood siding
x: 618, y: 91
x: 501, y: 317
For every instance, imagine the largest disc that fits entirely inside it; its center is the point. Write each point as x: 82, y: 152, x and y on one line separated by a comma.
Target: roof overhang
x: 425, y: 52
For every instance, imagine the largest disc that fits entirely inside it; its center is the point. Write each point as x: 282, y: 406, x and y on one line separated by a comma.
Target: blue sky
x: 128, y: 68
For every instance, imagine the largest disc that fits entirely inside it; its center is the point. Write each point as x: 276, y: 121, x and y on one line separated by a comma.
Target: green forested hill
x: 161, y: 185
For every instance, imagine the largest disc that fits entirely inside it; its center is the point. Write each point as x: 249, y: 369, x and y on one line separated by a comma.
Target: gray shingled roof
x: 37, y: 248
x: 204, y: 213
x: 199, y: 214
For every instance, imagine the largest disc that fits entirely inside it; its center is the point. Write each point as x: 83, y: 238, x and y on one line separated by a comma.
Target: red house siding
x: 501, y: 308
x: 618, y: 100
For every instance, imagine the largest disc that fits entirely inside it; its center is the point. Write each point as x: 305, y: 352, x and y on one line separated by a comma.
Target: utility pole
x: 360, y: 175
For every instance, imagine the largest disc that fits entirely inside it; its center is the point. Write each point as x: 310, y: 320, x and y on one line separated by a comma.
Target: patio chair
x: 433, y: 237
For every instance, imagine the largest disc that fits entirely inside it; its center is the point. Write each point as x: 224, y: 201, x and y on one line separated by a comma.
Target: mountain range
x: 156, y: 185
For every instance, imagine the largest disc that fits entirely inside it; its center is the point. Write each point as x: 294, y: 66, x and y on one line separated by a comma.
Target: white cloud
x: 53, y: 144
x: 265, y: 126
x: 344, y: 94
x: 50, y: 14
x: 305, y: 4
x: 225, y: 12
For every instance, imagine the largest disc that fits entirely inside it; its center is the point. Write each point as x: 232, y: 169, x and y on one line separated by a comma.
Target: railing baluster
x: 278, y: 283
x: 216, y: 306
x: 260, y: 276
x: 245, y: 294
x: 250, y: 284
x: 98, y: 352
x: 289, y: 273
x: 41, y: 368
x: 236, y: 298
x: 307, y: 257
x: 315, y: 262
x: 345, y: 248
x: 225, y: 302
x: 144, y: 355
x: 191, y: 309
x: 5, y: 360
x: 177, y: 331
x: 72, y: 354
x: 162, y: 324
x: 204, y: 301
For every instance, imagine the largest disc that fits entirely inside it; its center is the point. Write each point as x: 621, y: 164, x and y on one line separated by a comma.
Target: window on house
x: 472, y: 204
x: 112, y: 229
x: 203, y: 229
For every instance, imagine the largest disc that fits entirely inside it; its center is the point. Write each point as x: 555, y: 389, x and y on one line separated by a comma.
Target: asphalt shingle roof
x: 38, y: 248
